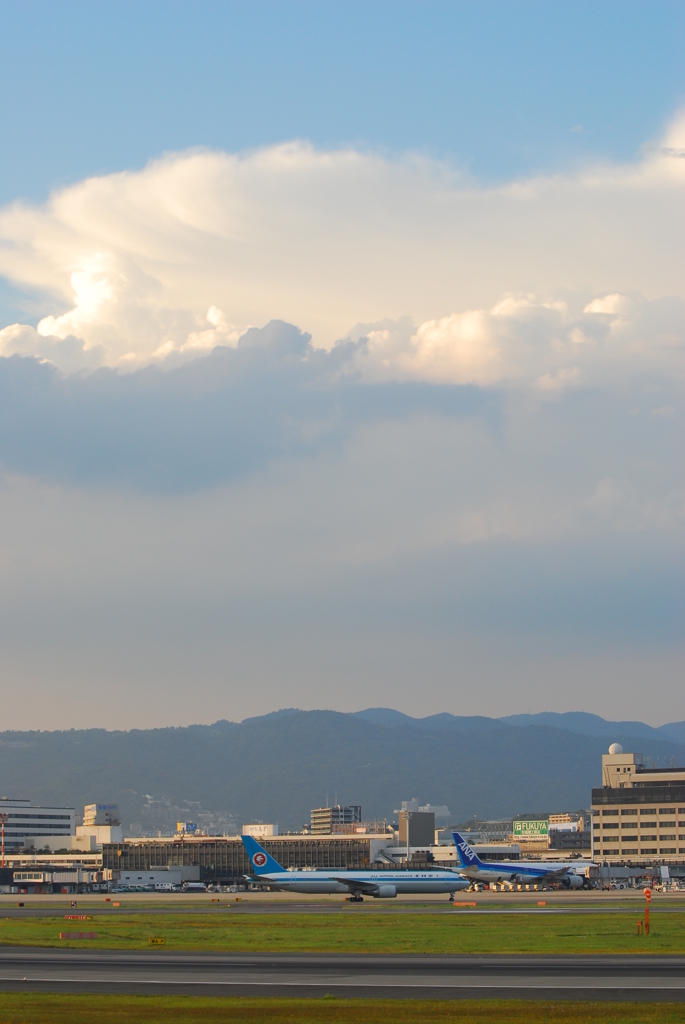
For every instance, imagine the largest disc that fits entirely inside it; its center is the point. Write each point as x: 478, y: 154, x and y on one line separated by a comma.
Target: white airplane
x: 518, y: 872
x: 357, y: 884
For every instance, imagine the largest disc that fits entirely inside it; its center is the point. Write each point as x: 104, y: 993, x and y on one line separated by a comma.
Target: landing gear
x: 451, y: 899
x: 355, y: 899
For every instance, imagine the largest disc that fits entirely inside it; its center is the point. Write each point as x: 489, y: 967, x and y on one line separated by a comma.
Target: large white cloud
x: 197, y: 246
x: 528, y: 341
x: 478, y: 490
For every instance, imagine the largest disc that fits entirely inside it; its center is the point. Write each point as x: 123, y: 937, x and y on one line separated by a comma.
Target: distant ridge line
x: 581, y: 722
x: 276, y: 767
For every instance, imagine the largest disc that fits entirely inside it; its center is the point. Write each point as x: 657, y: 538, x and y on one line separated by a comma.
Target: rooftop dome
x: 615, y: 748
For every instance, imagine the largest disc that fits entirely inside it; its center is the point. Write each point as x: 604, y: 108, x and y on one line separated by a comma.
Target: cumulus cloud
x: 491, y: 453
x: 191, y: 250
x: 527, y: 341
x: 69, y: 353
x: 273, y: 398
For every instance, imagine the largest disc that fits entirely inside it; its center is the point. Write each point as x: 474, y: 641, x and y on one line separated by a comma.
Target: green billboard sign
x: 531, y: 830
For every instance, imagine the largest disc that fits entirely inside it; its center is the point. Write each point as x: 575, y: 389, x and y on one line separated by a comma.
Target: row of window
x: 48, y: 830
x: 20, y: 836
x: 643, y: 824
x: 36, y: 817
x: 633, y: 823
x: 633, y: 838
x: 25, y: 825
x: 643, y: 851
x: 643, y: 810
x: 628, y: 838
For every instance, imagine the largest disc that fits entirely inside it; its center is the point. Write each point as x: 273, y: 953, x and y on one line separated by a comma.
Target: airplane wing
x: 356, y: 885
x: 262, y: 880
x: 551, y: 875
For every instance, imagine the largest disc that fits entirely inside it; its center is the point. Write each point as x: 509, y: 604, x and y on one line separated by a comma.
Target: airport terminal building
x: 224, y: 859
x: 638, y: 814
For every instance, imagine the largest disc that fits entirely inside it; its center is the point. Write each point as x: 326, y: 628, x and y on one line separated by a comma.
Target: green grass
x: 456, y: 931
x: 67, y: 1009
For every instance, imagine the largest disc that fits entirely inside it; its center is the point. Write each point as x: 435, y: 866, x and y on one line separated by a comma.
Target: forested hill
x: 275, y: 768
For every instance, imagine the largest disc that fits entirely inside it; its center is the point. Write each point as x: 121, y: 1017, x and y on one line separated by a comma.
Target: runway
x: 648, y: 978
x: 102, y: 914
x: 622, y: 902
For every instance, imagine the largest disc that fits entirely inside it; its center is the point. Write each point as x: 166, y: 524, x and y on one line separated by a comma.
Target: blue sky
x: 497, y: 87
x: 341, y: 351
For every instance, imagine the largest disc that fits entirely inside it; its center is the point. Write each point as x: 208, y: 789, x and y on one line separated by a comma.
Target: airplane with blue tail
x: 518, y: 872
x: 354, y: 884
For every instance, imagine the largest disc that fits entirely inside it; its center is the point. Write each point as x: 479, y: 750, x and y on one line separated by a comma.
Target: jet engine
x: 572, y: 881
x: 386, y: 892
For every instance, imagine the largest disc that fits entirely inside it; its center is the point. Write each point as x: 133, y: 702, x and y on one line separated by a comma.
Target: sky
x: 341, y: 359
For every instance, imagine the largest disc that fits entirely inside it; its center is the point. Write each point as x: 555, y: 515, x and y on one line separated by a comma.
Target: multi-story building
x: 101, y: 814
x: 416, y: 828
x: 568, y: 832
x: 101, y: 821
x: 638, y: 814
x: 23, y: 822
x: 329, y: 820
x: 580, y: 841
x: 225, y: 859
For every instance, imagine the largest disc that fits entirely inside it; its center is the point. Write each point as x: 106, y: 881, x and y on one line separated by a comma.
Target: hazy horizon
x: 655, y: 723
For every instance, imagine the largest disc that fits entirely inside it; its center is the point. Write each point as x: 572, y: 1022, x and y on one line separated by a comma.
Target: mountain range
x: 581, y: 722
x: 278, y: 766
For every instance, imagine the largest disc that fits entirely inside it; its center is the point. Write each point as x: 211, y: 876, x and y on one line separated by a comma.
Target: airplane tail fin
x: 262, y: 862
x: 467, y: 857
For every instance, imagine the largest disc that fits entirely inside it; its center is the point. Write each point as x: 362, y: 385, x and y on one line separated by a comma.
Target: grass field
x: 458, y: 931
x: 52, y: 1009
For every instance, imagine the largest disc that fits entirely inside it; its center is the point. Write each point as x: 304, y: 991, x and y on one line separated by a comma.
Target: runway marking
x: 402, y: 976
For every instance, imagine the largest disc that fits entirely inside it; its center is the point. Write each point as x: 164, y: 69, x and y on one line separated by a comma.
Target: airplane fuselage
x: 525, y: 874
x: 518, y: 873
x: 380, y: 884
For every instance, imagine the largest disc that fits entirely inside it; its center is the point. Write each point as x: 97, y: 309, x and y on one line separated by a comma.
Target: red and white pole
x: 648, y: 897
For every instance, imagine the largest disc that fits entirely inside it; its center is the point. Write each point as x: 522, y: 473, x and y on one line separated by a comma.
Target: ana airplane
x: 380, y: 884
x: 518, y: 872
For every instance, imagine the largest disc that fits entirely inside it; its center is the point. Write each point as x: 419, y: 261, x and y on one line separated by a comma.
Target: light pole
x: 409, y: 815
x: 3, y: 819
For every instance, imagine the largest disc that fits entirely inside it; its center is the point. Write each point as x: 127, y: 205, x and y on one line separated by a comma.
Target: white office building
x: 101, y: 823
x: 22, y: 821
